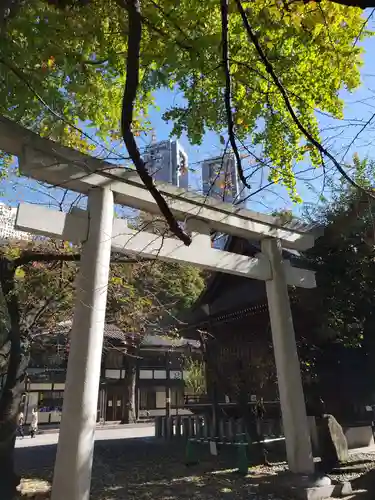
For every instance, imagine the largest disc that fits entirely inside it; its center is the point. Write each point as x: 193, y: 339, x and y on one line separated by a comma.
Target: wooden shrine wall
x: 241, y: 351
x: 241, y: 356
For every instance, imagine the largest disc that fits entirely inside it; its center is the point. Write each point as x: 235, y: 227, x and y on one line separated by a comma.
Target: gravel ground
x: 142, y: 469
x: 357, y: 466
x: 145, y: 469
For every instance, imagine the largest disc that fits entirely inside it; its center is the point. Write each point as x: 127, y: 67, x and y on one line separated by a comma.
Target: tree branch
x: 129, y: 97
x: 170, y: 19
x: 46, y: 304
x: 28, y: 257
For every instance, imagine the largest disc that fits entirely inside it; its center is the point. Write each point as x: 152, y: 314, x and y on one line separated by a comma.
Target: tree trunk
x: 9, y: 480
x: 11, y: 394
x: 132, y: 398
x: 128, y: 408
x: 9, y: 409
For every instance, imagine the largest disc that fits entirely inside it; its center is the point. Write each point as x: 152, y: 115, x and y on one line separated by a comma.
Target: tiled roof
x: 113, y: 332
x: 161, y: 341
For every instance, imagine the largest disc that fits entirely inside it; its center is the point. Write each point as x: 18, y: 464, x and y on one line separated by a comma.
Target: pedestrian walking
x: 34, y: 422
x: 21, y: 421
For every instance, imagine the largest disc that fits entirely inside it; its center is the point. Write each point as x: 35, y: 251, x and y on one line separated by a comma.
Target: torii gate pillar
x: 76, y: 441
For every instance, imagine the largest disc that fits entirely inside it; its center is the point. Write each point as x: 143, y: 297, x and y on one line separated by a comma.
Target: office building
x: 167, y: 162
x: 7, y: 222
x: 220, y: 179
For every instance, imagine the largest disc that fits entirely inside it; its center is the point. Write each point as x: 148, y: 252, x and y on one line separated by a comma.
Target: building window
x: 113, y: 374
x: 152, y: 374
x: 50, y: 400
x: 145, y: 374
x: 160, y: 374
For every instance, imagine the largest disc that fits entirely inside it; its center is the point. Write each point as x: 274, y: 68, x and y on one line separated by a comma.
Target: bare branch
x: 37, y: 315
x: 28, y: 256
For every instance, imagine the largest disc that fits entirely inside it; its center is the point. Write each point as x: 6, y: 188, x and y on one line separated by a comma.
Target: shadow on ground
x: 364, y: 486
x: 148, y: 469
x: 145, y: 469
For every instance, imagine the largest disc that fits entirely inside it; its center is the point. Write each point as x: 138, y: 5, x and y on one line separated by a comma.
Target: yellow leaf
x: 20, y: 273
x: 116, y: 280
x: 51, y: 62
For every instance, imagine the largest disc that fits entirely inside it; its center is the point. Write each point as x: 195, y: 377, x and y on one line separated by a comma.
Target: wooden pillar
x: 167, y: 385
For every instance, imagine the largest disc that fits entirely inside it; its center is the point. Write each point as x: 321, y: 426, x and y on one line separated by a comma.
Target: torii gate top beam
x: 47, y: 161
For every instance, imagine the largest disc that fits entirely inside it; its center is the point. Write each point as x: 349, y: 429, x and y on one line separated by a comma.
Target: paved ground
x: 143, y: 468
x: 118, y: 433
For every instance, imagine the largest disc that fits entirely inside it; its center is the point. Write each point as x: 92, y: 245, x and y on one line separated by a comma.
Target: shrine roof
x: 224, y: 293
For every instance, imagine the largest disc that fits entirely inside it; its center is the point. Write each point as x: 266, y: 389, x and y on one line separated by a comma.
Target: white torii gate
x: 98, y: 232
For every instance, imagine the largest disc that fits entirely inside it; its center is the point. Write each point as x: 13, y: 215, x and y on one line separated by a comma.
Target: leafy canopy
x: 336, y: 344
x: 195, y: 376
x: 344, y: 260
x: 75, y: 61
x: 139, y: 294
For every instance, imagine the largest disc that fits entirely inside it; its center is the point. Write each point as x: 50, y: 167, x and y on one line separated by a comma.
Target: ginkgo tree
x: 62, y: 67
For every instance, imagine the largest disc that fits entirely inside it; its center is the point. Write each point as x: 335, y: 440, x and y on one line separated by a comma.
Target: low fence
x: 201, y: 426
x: 185, y: 427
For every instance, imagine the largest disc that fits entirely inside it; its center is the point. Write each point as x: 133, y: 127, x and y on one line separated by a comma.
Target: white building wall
x: 160, y: 397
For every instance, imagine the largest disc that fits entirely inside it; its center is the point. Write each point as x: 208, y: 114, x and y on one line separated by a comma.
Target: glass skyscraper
x: 220, y: 179
x: 167, y: 162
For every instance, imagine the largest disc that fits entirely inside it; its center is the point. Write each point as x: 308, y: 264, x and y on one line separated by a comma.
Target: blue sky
x: 359, y: 105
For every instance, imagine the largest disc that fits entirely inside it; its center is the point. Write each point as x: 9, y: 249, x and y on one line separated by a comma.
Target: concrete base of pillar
x: 308, y: 487
x: 322, y: 492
